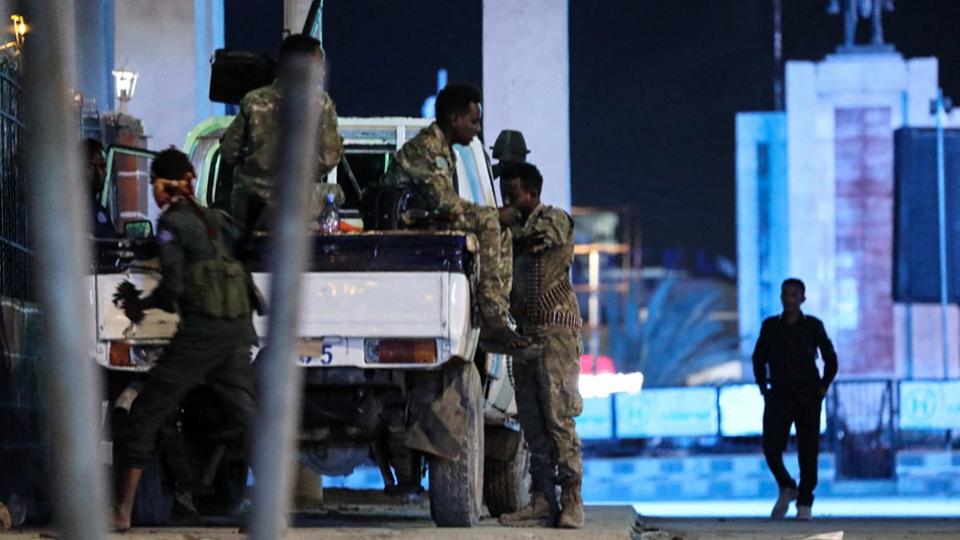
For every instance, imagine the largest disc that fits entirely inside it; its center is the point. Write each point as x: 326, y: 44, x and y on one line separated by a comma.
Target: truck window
x: 367, y: 165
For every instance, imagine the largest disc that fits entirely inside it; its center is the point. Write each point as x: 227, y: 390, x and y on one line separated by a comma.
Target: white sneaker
x: 786, y: 496
x: 804, y: 513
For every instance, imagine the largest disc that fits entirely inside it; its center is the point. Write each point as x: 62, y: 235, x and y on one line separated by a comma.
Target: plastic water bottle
x: 330, y: 217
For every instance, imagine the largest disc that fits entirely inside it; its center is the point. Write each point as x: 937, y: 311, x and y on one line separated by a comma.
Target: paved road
x: 389, y: 523
x: 653, y: 528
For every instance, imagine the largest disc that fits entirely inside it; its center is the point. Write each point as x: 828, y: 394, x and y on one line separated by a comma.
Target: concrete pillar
x: 762, y: 219
x: 95, y: 51
x: 170, y: 45
x: 208, y: 37
x: 526, y: 84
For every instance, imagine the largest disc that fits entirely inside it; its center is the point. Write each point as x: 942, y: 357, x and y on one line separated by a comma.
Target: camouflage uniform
x: 545, y: 306
x: 430, y: 164
x: 249, y: 145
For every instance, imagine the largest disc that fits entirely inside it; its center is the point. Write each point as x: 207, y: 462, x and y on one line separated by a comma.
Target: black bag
x: 234, y: 73
x: 383, y: 206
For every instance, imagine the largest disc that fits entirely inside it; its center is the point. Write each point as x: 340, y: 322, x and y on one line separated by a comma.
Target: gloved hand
x: 127, y: 297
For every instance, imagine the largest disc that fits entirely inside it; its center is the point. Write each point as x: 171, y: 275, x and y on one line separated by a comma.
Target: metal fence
x: 16, y: 258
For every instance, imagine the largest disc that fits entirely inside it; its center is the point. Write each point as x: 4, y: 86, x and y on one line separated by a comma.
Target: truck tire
x: 456, y: 485
x: 506, y: 484
x: 229, y: 489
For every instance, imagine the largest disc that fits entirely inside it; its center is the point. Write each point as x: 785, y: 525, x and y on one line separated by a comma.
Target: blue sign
x: 596, y: 420
x: 930, y: 405
x: 667, y: 412
x: 741, y: 411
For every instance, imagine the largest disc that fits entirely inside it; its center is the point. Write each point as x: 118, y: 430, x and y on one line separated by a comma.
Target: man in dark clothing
x: 793, y: 392
x: 212, y: 344
x: 96, y: 172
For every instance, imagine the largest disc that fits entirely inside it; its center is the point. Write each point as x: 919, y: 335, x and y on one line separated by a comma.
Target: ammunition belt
x: 542, y: 312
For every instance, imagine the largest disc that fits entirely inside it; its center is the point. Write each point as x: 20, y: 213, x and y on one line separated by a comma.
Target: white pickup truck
x: 388, y: 341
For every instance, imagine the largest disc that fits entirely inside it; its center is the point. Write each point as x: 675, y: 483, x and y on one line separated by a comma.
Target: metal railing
x: 16, y: 257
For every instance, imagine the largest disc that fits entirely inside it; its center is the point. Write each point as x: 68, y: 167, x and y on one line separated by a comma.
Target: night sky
x: 655, y: 85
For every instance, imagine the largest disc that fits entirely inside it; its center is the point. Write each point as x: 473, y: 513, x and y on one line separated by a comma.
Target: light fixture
x: 126, y: 84
x: 19, y: 29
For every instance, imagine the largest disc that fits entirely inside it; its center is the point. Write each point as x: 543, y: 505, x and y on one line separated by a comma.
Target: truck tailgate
x: 371, y: 304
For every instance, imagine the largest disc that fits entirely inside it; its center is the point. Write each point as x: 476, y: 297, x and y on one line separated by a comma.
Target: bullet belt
x: 544, y: 314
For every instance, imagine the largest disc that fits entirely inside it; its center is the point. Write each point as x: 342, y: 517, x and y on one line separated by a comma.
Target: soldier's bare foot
x: 121, y: 518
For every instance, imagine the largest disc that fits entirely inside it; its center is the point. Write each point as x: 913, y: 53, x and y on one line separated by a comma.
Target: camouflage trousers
x: 257, y: 196
x: 496, y: 258
x: 548, y: 399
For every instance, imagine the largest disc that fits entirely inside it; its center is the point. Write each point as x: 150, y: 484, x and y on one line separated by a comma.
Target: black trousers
x: 784, y: 407
x: 195, y: 356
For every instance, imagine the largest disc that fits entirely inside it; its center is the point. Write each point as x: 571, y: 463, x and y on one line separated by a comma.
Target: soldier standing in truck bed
x: 249, y: 145
x: 428, y: 162
x: 213, y: 293
x: 545, y: 306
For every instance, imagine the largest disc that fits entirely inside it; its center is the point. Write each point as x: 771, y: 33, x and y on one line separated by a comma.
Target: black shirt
x: 791, y: 352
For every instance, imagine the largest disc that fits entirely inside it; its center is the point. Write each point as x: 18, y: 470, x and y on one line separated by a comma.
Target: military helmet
x: 510, y: 146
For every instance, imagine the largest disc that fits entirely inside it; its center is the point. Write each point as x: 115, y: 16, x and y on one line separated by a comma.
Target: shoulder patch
x: 164, y: 236
x: 441, y: 162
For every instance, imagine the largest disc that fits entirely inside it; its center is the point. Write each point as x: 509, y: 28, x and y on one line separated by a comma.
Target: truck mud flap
x: 438, y: 426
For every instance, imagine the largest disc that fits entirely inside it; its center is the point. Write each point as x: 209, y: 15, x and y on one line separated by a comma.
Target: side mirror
x: 141, y: 228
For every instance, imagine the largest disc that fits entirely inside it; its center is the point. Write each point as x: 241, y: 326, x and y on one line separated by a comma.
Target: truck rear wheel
x: 506, y: 483
x: 456, y: 485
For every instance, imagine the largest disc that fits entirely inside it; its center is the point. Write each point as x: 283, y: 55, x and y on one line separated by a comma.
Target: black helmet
x: 510, y: 146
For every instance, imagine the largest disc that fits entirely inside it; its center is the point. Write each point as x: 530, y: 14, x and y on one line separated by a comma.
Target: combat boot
x: 571, y: 517
x: 535, y: 514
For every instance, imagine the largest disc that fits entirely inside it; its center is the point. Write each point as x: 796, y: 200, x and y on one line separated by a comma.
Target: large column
x: 208, y: 37
x: 526, y: 83
x: 157, y: 40
x: 95, y: 51
x: 762, y: 217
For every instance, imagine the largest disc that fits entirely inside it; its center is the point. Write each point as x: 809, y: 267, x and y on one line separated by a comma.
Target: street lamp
x: 126, y: 84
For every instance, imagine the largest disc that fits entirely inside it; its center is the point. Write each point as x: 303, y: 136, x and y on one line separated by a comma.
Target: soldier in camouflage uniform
x: 545, y: 306
x: 214, y: 296
x: 249, y: 144
x: 428, y: 162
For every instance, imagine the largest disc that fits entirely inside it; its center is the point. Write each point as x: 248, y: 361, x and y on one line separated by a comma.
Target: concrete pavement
x: 653, y: 528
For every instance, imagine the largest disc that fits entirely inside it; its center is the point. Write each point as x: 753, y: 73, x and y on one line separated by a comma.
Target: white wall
x: 526, y: 84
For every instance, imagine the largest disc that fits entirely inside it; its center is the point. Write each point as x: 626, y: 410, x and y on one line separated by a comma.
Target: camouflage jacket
x: 429, y: 162
x: 542, y: 295
x: 249, y: 144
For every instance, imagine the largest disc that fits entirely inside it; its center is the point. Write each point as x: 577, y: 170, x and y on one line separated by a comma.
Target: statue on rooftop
x: 853, y: 11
